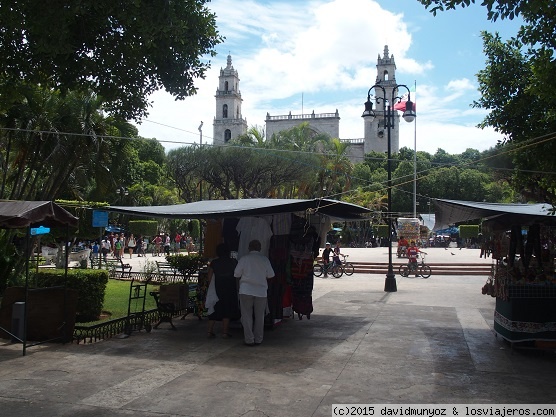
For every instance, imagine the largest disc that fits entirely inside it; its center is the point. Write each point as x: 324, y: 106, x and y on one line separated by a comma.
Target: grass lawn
x: 116, y: 300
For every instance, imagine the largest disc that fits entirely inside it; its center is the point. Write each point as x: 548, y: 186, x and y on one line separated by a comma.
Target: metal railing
x: 93, y: 333
x: 110, y: 328
x: 302, y: 116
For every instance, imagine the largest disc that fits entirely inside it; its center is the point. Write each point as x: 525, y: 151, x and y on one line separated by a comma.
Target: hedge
x: 381, y: 230
x: 143, y: 227
x: 91, y: 284
x: 467, y: 231
x: 186, y: 264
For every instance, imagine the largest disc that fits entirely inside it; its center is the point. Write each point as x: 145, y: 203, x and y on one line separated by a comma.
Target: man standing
x: 326, y: 258
x: 253, y: 271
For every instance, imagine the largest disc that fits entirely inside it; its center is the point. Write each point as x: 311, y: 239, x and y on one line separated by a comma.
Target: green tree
x: 508, y: 88
x: 516, y: 88
x: 123, y: 51
x: 58, y: 146
x: 231, y: 172
x: 441, y: 157
x: 376, y: 160
x: 253, y: 137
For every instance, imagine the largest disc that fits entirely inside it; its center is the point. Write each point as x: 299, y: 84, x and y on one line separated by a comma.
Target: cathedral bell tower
x: 228, y: 123
x: 376, y: 136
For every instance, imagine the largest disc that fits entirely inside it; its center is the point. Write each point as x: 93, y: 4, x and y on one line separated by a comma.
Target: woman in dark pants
x: 221, y: 270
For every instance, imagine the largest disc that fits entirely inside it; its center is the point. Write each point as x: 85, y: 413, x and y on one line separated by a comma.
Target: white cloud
x: 326, y: 51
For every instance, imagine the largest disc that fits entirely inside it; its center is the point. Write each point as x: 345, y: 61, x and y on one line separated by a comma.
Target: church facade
x: 229, y: 122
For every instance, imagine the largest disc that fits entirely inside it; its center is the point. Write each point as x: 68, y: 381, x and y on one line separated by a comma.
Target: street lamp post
x: 201, y: 145
x: 201, y: 191
x: 122, y: 191
x: 409, y: 116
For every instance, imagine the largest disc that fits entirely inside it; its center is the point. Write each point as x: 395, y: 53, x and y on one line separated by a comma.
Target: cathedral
x: 229, y: 122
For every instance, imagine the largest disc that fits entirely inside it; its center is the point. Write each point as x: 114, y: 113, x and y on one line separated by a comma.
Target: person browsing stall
x: 222, y: 300
x: 253, y: 271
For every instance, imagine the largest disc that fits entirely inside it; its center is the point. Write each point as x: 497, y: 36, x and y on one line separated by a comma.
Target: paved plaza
x: 429, y: 342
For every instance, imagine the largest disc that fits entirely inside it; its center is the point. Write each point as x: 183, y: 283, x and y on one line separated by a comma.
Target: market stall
x: 36, y: 314
x: 521, y: 240
x: 290, y: 231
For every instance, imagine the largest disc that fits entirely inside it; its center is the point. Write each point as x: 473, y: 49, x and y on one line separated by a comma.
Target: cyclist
x: 402, y: 246
x: 412, y: 253
x: 326, y: 259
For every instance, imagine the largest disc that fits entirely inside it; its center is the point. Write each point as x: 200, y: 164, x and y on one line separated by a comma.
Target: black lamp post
x: 122, y: 191
x: 409, y: 116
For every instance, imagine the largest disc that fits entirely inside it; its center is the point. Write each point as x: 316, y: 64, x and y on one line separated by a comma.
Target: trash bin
x: 18, y: 320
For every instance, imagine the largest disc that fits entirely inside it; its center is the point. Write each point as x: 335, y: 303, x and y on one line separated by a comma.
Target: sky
x: 321, y: 55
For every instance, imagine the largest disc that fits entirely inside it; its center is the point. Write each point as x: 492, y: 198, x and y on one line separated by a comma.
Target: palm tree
x: 336, y: 169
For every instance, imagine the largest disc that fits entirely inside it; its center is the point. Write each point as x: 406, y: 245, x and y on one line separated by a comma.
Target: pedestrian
x: 177, y: 240
x: 253, y: 271
x: 326, y: 258
x: 140, y: 246
x: 122, y: 249
x: 222, y: 300
x: 167, y: 244
x: 131, y: 244
x: 189, y: 244
x: 118, y: 247
x: 112, y: 241
x: 95, y: 249
x: 157, y: 245
x: 336, y: 254
x: 105, y: 248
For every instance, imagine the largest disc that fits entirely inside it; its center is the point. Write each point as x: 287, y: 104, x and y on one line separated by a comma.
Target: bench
x: 124, y: 268
x: 166, y: 270
x: 117, y: 266
x: 108, y: 264
x: 166, y: 311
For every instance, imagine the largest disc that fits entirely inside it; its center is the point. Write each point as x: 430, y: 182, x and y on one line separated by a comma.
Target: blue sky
x: 326, y: 52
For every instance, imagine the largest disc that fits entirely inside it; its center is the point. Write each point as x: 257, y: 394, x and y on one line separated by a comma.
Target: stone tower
x: 376, y: 135
x: 228, y: 123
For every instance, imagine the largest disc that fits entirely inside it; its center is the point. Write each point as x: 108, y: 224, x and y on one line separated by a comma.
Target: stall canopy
x: 210, y: 209
x: 20, y: 214
x: 449, y: 212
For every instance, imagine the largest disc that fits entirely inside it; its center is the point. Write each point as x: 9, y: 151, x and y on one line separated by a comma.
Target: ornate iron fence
x: 135, y: 321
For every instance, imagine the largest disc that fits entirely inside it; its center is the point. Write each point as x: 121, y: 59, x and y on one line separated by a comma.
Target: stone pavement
x: 429, y: 342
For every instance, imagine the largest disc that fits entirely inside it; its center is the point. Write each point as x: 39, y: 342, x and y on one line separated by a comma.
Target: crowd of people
x: 118, y: 245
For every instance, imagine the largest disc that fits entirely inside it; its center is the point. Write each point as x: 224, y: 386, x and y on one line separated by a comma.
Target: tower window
x: 227, y: 135
x: 385, y: 76
x: 226, y: 86
x: 225, y: 111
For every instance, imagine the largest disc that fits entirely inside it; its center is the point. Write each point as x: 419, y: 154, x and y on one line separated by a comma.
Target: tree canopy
x: 516, y: 87
x: 122, y: 51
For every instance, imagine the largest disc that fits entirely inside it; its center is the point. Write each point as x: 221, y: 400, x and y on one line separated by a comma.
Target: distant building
x: 328, y: 123
x: 376, y: 137
x: 229, y: 123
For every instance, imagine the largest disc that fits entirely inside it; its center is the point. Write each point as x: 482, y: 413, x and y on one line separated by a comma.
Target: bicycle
x: 335, y: 269
x: 419, y: 268
x: 348, y: 267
